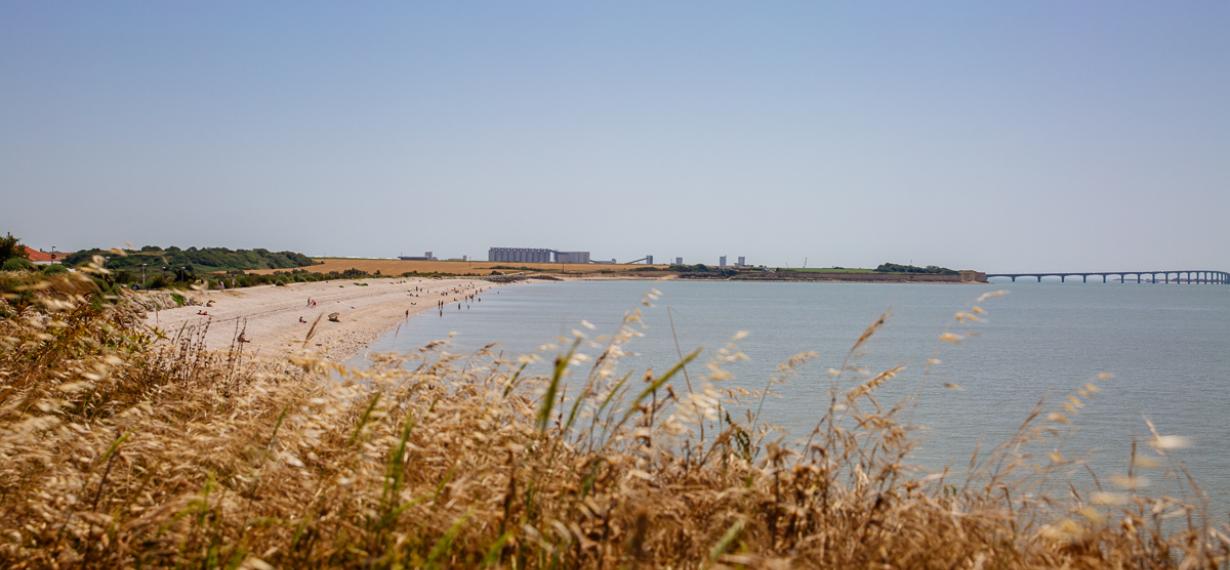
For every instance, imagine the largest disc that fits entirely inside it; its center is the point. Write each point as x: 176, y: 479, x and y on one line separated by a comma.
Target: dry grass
x: 398, y: 267
x: 116, y: 451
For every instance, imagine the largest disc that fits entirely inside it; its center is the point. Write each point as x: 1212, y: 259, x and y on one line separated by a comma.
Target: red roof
x: 37, y: 255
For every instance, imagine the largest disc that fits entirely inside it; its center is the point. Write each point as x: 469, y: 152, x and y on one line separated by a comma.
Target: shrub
x: 205, y: 258
x: 18, y: 264
x: 930, y: 269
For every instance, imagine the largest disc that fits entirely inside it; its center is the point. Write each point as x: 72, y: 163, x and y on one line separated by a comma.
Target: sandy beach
x: 269, y: 316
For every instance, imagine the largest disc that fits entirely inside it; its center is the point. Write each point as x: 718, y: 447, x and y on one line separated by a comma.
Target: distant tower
x: 648, y: 260
x: 722, y: 261
x: 678, y: 261
x: 742, y: 261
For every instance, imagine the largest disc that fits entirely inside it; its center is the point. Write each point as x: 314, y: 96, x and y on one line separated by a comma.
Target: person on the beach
x: 301, y: 319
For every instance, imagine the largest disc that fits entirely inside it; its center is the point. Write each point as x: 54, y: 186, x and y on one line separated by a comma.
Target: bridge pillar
x: 1168, y: 277
x: 1084, y: 278
x: 1189, y: 277
x: 1138, y: 278
x: 1103, y: 277
x: 1039, y: 279
x: 1154, y: 275
x: 1063, y: 278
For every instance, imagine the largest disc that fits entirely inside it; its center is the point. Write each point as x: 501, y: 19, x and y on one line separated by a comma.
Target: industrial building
x: 742, y: 262
x: 520, y: 254
x: 572, y: 257
x: 536, y: 255
x: 427, y: 256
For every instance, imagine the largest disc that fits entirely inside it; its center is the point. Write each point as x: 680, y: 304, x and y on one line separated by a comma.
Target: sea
x: 1162, y: 351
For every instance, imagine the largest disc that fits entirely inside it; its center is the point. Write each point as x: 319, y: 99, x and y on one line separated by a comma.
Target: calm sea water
x: 1168, y: 346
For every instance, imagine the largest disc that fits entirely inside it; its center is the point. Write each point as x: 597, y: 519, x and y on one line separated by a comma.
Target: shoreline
x: 269, y: 316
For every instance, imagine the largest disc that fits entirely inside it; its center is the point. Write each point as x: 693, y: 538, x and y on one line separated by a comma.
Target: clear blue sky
x: 992, y: 135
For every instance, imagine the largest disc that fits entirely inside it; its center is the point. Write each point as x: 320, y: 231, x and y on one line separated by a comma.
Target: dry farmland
x: 398, y: 267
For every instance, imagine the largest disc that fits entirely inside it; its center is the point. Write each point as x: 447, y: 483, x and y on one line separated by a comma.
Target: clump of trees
x: 185, y: 277
x: 198, y: 259
x: 701, y: 268
x: 898, y: 268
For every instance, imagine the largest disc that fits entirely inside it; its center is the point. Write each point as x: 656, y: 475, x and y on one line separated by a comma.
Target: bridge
x: 1185, y: 277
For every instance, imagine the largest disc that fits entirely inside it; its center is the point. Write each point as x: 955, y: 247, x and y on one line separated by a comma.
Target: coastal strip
x: 275, y: 320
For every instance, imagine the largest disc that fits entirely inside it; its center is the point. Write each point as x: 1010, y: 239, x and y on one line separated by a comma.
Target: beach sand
x: 268, y: 316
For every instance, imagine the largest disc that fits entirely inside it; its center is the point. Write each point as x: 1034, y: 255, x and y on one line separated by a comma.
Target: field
x: 398, y: 267
x: 829, y: 269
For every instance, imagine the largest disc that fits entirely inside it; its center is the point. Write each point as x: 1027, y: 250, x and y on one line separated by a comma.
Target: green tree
x: 10, y: 247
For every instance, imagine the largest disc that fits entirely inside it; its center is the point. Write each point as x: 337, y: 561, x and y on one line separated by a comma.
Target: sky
x: 1027, y: 136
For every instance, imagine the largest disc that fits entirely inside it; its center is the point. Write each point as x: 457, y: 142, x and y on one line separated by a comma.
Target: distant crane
x: 804, y: 263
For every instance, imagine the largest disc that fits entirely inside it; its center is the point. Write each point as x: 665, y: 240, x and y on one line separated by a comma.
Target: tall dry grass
x: 118, y: 449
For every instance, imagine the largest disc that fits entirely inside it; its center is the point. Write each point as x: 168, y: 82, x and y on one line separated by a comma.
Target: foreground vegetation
x: 119, y: 450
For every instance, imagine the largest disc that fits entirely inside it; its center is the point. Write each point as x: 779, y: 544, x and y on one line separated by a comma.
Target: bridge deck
x: 1183, y: 276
